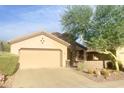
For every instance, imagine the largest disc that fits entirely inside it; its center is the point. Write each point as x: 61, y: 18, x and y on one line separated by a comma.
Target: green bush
x: 80, y: 66
x: 8, y: 63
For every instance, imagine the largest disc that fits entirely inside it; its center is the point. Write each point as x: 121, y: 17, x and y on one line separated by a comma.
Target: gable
x: 35, y: 35
x: 40, y: 41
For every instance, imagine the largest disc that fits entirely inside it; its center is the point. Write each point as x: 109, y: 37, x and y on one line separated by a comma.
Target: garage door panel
x: 40, y: 58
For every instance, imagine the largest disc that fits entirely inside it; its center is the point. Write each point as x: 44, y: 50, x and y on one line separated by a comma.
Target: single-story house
x: 43, y: 50
x: 48, y: 50
x: 40, y: 50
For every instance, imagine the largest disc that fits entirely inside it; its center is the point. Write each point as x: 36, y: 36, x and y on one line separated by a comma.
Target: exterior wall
x: 93, y: 64
x: 120, y: 54
x: 40, y: 41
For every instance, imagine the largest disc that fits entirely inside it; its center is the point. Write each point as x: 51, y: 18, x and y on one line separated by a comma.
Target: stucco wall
x: 36, y: 42
x: 120, y: 54
x: 93, y: 64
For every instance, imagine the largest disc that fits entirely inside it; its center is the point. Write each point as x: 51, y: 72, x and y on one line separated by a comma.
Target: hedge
x: 8, y: 63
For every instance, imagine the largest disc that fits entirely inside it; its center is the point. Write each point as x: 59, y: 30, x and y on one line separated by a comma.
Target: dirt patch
x: 101, y: 78
x: 8, y: 82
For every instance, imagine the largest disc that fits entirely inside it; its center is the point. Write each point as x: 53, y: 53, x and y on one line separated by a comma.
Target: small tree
x: 4, y: 46
x: 102, y: 29
x: 106, y: 33
x: 75, y: 22
x: 76, y: 19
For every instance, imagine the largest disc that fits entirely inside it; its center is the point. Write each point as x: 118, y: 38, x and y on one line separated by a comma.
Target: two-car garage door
x: 40, y: 58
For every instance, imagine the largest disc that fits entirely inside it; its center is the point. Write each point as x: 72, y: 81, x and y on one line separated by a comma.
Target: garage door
x: 39, y: 58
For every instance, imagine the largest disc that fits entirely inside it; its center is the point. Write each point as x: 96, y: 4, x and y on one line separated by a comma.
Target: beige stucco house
x: 51, y: 50
x: 40, y: 50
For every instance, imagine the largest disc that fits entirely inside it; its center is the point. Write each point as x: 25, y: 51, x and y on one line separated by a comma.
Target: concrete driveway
x: 53, y: 78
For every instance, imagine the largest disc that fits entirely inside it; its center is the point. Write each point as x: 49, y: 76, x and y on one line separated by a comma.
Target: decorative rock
x: 2, y: 80
x: 2, y: 77
x: 85, y: 70
x: 97, y: 72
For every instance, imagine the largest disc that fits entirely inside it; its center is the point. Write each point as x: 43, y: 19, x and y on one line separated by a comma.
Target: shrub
x: 5, y: 46
x: 80, y: 66
x: 105, y: 73
x: 97, y: 72
x: 8, y: 63
x: 90, y: 71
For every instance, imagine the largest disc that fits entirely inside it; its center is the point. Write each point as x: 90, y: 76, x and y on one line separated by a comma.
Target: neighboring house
x: 120, y: 54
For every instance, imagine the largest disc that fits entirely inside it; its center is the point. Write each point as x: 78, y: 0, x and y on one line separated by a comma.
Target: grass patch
x: 8, y: 63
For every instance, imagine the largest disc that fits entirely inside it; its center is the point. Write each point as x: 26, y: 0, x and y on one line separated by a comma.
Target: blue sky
x: 19, y: 20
